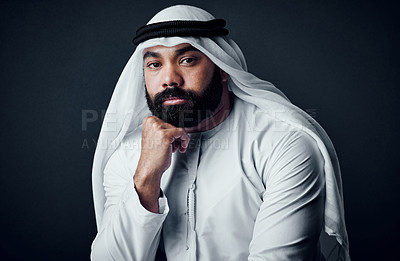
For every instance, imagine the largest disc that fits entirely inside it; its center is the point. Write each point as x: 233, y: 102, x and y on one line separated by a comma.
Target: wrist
x: 148, y: 192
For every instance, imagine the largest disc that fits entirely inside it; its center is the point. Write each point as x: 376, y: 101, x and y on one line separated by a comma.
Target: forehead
x: 176, y: 49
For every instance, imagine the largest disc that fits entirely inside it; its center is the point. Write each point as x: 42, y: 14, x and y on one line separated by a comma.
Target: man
x: 255, y: 177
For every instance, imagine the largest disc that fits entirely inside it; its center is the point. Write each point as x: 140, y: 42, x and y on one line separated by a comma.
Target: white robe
x: 251, y: 188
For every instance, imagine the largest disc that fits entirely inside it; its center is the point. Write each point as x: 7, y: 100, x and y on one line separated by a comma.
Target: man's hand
x: 159, y: 141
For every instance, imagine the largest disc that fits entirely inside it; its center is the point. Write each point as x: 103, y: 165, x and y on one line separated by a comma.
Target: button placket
x: 195, y: 140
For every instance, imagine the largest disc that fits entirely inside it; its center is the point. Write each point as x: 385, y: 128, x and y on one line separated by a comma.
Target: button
x: 187, y: 247
x: 193, y: 186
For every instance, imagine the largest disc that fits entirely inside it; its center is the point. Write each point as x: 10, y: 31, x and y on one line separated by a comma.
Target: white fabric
x: 245, y: 190
x: 128, y: 108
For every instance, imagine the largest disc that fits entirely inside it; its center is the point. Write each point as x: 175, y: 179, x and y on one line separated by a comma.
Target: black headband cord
x: 210, y: 28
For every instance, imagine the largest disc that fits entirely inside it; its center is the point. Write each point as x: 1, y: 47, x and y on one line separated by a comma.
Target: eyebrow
x: 177, y: 52
x: 186, y: 49
x: 151, y: 54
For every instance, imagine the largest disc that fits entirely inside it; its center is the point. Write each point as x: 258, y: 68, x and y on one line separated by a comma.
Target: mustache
x: 159, y: 98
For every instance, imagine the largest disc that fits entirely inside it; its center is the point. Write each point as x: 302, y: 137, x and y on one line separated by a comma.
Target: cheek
x: 199, y: 79
x: 150, y: 86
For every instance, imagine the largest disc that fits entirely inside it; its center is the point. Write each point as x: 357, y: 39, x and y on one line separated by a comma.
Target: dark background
x: 339, y: 60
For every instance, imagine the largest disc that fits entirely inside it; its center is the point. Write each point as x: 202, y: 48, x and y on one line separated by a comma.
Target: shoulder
x: 248, y: 117
x: 275, y: 146
x: 261, y: 126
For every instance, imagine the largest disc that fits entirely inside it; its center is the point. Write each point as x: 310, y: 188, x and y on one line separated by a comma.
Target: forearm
x: 134, y: 213
x: 148, y: 189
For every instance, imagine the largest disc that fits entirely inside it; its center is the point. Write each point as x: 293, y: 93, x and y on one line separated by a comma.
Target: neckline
x: 205, y: 135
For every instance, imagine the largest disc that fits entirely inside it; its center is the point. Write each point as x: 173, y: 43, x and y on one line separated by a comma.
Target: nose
x: 172, y: 76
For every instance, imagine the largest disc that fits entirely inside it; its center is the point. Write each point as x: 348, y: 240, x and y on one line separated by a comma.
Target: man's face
x: 183, y: 86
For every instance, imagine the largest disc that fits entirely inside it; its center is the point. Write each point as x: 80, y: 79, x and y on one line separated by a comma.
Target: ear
x: 224, y: 76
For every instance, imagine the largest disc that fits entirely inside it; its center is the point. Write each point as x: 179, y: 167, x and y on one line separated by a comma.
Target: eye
x: 188, y: 60
x: 153, y: 65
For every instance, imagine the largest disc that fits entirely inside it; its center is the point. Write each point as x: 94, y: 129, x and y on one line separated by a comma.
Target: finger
x: 156, y: 123
x: 178, y: 137
x: 184, y: 140
x: 177, y: 134
x: 175, y: 145
x: 182, y: 149
x: 163, y: 124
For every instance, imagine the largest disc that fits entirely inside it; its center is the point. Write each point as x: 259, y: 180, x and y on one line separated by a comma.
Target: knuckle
x: 146, y: 121
x: 151, y: 122
x: 155, y: 125
x: 163, y: 134
x: 149, y: 119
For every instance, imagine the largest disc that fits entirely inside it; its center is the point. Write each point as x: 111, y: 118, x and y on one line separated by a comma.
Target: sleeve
x: 290, y: 218
x: 128, y: 231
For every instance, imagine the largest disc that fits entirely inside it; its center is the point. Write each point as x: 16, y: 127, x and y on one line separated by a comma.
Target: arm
x: 134, y: 213
x: 128, y: 231
x: 290, y: 218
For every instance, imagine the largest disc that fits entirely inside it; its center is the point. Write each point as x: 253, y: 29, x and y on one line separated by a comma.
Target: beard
x: 197, y: 108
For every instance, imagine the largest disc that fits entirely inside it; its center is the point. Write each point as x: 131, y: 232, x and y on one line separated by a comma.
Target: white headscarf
x: 128, y: 108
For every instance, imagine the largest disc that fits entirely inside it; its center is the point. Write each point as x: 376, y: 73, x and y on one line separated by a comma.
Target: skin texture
x: 165, y: 67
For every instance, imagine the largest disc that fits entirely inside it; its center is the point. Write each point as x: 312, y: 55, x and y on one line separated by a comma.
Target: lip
x: 174, y: 101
